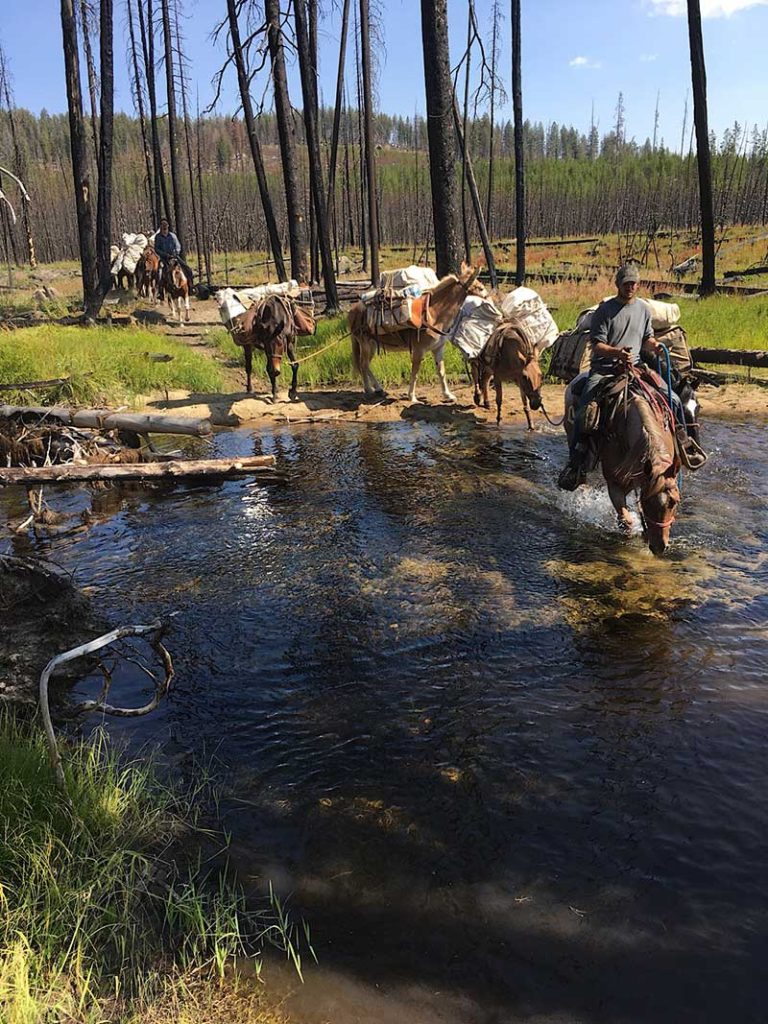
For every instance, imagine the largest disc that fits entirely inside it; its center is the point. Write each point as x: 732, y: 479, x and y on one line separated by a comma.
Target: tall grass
x: 94, y: 910
x: 107, y: 365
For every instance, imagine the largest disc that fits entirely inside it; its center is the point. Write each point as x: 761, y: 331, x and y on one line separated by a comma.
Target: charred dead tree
x: 370, y: 152
x: 314, y: 241
x: 297, y: 234
x: 148, y: 47
x: 138, y: 94
x: 496, y: 88
x: 106, y: 124
x: 18, y: 157
x: 253, y: 140
x: 173, y: 132
x: 78, y: 152
x: 187, y: 140
x: 517, y: 107
x: 439, y: 95
x: 313, y: 150
x: 703, y: 162
x: 93, y: 90
x: 337, y: 112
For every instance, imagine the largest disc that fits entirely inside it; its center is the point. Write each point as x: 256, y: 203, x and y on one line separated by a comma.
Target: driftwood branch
x: 108, y: 419
x: 153, y: 631
x: 138, y: 471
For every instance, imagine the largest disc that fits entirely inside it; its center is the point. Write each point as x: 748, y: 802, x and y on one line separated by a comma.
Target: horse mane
x: 651, y: 454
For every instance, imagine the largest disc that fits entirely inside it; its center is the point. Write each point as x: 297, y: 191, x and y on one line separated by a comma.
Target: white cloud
x: 586, y: 62
x: 709, y: 8
x: 647, y: 58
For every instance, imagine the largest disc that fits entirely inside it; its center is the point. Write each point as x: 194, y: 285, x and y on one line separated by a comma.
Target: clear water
x: 508, y: 764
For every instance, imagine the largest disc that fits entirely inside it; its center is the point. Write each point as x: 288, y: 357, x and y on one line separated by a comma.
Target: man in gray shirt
x: 620, y: 332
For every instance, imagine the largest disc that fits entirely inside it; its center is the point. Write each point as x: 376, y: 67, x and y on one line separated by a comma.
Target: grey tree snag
x: 140, y: 109
x: 469, y: 173
x: 104, y: 201
x: 93, y: 91
x: 313, y: 149
x: 297, y: 233
x: 253, y: 139
x: 442, y: 140
x: 517, y: 108
x: 337, y: 109
x: 370, y: 151
x: 173, y: 133
x: 148, y: 49
x: 77, y: 148
x: 699, y: 81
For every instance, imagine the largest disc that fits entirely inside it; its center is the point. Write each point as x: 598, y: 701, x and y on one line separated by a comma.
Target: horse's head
x: 530, y: 369
x: 659, y: 499
x: 470, y: 282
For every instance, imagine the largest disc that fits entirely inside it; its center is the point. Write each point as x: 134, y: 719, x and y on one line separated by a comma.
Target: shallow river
x: 509, y: 765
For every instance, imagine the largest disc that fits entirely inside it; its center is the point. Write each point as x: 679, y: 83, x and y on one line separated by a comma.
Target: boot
x: 573, y: 474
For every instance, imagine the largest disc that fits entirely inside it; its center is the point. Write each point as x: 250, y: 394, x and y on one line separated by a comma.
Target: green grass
x: 95, y: 914
x: 113, y: 357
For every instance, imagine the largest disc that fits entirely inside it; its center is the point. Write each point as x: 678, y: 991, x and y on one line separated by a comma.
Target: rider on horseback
x: 622, y: 335
x: 167, y: 245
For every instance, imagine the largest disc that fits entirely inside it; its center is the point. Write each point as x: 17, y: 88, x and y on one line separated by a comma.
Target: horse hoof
x: 487, y: 405
x: 293, y: 396
x: 451, y: 399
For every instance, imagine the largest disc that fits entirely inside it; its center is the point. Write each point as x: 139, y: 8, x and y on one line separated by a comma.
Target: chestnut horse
x: 637, y: 452
x: 509, y: 355
x: 175, y: 286
x: 445, y: 300
x: 148, y: 274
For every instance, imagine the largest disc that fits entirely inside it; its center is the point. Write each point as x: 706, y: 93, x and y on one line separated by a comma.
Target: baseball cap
x: 628, y: 272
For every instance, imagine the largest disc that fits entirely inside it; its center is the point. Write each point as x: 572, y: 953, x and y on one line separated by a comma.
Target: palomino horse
x: 148, y: 274
x: 637, y: 452
x: 175, y: 286
x: 267, y: 325
x: 508, y: 355
x: 445, y: 301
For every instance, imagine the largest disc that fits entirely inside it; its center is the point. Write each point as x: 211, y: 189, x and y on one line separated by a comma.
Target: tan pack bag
x: 304, y: 321
x: 676, y: 341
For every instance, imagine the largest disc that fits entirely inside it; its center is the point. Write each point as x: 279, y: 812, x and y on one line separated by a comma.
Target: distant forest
x: 577, y: 183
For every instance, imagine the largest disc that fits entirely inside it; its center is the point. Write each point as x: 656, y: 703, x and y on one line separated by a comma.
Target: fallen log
x: 106, y: 419
x: 730, y: 357
x: 32, y: 385
x: 176, y: 468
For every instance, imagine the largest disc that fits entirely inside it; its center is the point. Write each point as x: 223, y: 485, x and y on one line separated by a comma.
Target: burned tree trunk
x: 442, y: 148
x: 173, y: 134
x: 77, y: 149
x: 313, y: 149
x: 337, y: 113
x: 370, y: 153
x: 148, y: 47
x: 104, y: 201
x: 93, y: 91
x: 699, y: 79
x: 517, y: 106
x: 296, y: 227
x: 140, y: 110
x: 253, y: 139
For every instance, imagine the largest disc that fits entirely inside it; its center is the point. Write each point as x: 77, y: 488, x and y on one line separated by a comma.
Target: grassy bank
x: 98, y: 920
x: 108, y: 365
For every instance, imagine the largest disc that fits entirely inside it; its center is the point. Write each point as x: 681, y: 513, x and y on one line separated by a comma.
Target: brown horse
x: 445, y: 301
x: 148, y: 274
x: 637, y: 452
x: 268, y: 325
x: 509, y: 355
x: 175, y: 286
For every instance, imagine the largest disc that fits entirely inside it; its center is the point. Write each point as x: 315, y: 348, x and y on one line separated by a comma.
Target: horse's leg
x: 619, y: 502
x: 186, y: 305
x: 437, y: 354
x: 499, y: 395
x: 526, y: 408
x: 475, y: 373
x: 416, y: 356
x: 272, y: 377
x: 371, y: 383
x: 248, y: 353
x: 485, y: 382
x: 291, y: 351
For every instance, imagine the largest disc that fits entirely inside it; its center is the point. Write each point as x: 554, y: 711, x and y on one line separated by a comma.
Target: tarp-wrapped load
x: 476, y: 322
x: 261, y: 291
x: 129, y: 253
x: 663, y: 314
x: 401, y: 300
x: 529, y: 309
x: 422, y: 278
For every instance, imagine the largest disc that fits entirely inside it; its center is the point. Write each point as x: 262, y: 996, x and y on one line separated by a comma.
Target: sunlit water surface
x: 508, y: 764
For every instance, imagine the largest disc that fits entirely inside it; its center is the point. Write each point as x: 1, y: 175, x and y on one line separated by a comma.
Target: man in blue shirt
x: 167, y: 245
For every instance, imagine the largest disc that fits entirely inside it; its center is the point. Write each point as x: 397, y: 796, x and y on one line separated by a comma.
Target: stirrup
x: 691, y: 454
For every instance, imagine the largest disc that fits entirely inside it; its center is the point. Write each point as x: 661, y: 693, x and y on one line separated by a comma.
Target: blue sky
x: 575, y: 54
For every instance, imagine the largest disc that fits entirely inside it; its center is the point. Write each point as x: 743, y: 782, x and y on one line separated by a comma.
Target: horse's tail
x: 356, y: 321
